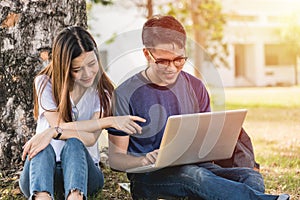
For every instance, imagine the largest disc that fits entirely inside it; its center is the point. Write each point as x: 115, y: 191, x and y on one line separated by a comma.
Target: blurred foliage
x: 290, y: 35
x: 89, y: 3
x: 103, y: 2
x: 203, y: 20
x: 204, y: 23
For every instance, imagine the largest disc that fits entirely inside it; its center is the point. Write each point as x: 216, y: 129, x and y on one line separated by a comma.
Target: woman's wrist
x: 58, y: 131
x: 105, y: 122
x: 53, y: 131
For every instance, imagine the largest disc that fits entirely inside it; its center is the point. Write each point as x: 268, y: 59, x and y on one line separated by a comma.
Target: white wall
x: 283, y: 75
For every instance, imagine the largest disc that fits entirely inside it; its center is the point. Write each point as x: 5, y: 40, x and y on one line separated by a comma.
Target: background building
x: 257, y: 55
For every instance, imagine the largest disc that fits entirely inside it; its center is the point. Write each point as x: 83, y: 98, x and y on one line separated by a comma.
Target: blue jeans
x: 199, y: 181
x: 77, y: 170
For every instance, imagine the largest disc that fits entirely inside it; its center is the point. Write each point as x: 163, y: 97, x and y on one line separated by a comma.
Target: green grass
x: 273, y: 123
x: 265, y: 97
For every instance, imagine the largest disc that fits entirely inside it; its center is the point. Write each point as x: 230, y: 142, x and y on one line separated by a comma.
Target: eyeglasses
x: 165, y: 63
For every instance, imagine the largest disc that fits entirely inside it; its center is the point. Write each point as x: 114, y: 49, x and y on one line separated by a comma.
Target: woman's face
x: 84, y: 69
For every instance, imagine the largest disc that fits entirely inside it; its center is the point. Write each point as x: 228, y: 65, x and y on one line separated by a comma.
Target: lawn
x: 273, y: 123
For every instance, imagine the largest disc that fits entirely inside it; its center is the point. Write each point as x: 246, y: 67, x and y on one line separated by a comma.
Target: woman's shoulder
x: 41, y: 81
x: 41, y: 78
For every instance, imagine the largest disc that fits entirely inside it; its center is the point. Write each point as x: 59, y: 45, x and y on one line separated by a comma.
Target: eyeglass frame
x: 163, y: 66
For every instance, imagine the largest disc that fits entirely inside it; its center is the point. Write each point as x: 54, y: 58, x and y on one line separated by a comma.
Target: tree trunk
x: 198, y: 37
x: 149, y: 9
x: 27, y: 28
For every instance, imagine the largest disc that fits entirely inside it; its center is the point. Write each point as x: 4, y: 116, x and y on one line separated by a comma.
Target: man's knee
x: 254, y: 179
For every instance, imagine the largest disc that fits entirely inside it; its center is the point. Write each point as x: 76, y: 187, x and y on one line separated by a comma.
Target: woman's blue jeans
x: 76, y: 171
x: 199, y: 181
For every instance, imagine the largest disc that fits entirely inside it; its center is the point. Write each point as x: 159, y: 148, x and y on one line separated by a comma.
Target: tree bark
x: 27, y: 28
x: 198, y: 37
x: 149, y: 9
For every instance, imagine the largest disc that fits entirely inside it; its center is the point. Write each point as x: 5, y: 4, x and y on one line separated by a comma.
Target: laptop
x: 198, y: 137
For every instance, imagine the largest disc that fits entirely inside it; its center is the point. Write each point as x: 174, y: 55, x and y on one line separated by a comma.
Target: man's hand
x: 150, y: 158
x: 37, y: 143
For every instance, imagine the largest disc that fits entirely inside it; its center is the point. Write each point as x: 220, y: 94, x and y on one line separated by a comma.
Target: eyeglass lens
x: 178, y: 62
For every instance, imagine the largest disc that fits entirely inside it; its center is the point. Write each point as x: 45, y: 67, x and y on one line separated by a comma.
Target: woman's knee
x: 47, y: 155
x: 73, y: 143
x: 73, y: 147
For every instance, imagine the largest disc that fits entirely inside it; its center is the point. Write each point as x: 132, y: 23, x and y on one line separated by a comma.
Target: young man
x: 161, y: 90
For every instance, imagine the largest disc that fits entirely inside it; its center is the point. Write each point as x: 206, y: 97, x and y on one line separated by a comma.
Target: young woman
x: 72, y: 106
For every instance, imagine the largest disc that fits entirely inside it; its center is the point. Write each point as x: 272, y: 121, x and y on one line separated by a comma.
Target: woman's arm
x: 88, y: 137
x: 120, y: 160
x: 41, y: 140
x: 124, y: 123
x: 71, y: 130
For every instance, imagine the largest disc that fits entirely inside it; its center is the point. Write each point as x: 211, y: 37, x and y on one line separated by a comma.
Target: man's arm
x: 120, y: 160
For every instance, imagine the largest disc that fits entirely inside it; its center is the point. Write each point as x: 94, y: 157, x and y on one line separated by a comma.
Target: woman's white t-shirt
x: 86, y: 107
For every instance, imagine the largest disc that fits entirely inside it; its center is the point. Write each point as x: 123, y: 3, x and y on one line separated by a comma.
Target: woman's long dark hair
x: 70, y: 43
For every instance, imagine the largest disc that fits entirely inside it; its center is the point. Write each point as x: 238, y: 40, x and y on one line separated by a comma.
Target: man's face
x: 166, y: 61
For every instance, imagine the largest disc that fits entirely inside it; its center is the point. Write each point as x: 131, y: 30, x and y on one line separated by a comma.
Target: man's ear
x: 146, y: 54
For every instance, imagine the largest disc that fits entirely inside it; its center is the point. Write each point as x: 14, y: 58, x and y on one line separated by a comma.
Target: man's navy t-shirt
x: 137, y: 96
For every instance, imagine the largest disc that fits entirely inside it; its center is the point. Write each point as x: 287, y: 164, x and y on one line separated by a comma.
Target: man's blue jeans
x: 77, y: 170
x: 199, y: 181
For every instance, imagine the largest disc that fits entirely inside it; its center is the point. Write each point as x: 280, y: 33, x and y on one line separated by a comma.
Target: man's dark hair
x: 163, y: 30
